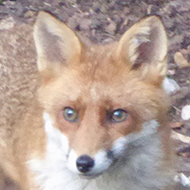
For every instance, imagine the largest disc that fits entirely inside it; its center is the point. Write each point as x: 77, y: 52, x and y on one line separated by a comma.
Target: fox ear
x: 56, y: 44
x: 144, y: 46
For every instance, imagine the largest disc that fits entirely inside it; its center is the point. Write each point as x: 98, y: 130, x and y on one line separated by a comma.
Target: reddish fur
x: 92, y: 83
x: 143, y: 101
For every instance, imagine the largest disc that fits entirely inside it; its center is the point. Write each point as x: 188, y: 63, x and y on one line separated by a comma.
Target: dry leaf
x: 180, y: 60
x: 178, y: 136
x: 175, y: 125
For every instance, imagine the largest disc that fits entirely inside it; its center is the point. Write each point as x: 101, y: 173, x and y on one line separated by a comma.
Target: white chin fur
x: 59, y: 170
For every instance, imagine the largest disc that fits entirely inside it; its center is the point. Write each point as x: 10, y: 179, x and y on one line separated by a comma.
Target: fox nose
x: 84, y: 163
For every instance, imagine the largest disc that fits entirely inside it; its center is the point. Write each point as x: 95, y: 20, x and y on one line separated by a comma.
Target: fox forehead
x: 96, y: 69
x: 78, y: 90
x: 74, y: 85
x: 100, y: 78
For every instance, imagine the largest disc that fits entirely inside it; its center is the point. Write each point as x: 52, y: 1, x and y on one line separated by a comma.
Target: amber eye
x: 119, y: 115
x: 70, y: 114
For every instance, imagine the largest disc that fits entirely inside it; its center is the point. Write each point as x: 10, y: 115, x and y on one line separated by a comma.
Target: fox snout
x: 89, y: 166
x: 93, y: 165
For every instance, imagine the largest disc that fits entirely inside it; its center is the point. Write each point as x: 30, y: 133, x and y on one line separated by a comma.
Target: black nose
x: 84, y: 163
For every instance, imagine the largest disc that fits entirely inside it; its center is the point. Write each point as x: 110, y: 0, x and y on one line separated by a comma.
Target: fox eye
x: 119, y: 116
x: 70, y: 114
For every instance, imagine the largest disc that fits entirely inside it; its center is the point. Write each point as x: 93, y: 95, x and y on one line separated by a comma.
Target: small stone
x: 7, y: 23
x: 152, y: 9
x: 29, y: 14
x: 126, y: 21
x: 85, y: 24
x: 171, y: 72
x: 186, y: 41
x: 103, y: 9
x: 111, y: 28
x: 73, y: 22
x: 177, y: 39
x: 188, y: 47
x: 96, y: 24
x: 185, y: 112
x: 170, y: 85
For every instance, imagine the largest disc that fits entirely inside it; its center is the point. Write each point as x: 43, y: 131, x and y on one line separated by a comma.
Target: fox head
x: 96, y: 96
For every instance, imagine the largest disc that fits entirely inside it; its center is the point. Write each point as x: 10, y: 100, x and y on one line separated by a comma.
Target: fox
x: 88, y: 116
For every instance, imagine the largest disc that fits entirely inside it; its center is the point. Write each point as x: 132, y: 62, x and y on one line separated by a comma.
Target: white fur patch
x: 72, y: 158
x: 54, y: 135
x: 119, y: 146
x: 149, y: 128
x: 52, y: 173
x: 140, y: 38
x: 102, y: 162
x: 130, y: 172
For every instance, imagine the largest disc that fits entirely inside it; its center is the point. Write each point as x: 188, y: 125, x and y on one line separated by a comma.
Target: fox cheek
x: 119, y: 146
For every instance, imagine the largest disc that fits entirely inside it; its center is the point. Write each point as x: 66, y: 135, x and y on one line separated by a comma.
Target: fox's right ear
x: 56, y: 44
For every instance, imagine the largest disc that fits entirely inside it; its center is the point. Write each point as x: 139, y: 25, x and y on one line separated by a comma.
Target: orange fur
x: 92, y: 79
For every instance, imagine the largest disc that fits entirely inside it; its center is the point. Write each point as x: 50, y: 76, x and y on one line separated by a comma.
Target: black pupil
x: 118, y: 114
x: 70, y: 112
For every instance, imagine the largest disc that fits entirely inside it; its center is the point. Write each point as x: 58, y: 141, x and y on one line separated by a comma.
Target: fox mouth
x: 90, y: 176
x: 89, y: 167
x: 93, y: 175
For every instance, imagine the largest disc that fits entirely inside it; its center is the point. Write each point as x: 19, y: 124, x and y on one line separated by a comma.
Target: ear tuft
x: 144, y: 43
x: 56, y: 44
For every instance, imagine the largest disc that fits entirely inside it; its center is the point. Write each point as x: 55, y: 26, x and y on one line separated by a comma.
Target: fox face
x: 98, y: 99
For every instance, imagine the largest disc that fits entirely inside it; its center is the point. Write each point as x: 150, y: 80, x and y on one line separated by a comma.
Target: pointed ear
x: 144, y: 46
x: 56, y: 44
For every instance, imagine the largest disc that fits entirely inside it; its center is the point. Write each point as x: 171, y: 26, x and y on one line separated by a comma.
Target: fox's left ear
x: 56, y: 44
x: 144, y: 47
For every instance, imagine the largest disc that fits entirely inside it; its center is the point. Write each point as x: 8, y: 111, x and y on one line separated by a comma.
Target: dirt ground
x: 105, y: 21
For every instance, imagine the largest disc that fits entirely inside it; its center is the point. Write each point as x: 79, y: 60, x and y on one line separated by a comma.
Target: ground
x: 105, y: 21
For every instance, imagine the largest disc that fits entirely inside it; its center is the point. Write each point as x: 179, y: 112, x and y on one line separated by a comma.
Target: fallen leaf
x: 180, y: 60
x: 184, y: 151
x: 180, y: 137
x: 175, y: 125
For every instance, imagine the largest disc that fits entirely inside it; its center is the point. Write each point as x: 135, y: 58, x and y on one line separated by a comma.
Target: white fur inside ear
x: 139, y: 38
x: 144, y: 43
x: 56, y: 44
